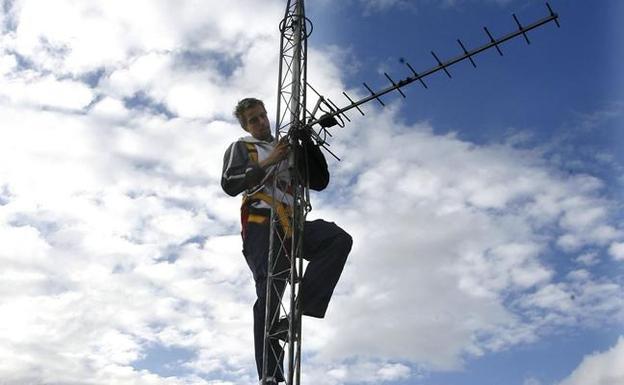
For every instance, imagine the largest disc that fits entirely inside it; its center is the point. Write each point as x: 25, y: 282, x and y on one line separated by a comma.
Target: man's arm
x: 240, y: 173
x: 317, y: 165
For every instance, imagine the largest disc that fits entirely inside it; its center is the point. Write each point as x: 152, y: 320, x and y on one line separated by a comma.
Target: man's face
x: 257, y: 122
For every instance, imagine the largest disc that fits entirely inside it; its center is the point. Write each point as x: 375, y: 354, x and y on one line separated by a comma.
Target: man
x: 250, y: 166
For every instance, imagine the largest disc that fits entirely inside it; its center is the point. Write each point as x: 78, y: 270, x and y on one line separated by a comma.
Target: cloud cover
x: 600, y: 368
x: 117, y: 241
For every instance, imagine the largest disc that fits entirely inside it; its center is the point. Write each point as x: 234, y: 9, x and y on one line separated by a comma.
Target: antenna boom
x: 442, y: 66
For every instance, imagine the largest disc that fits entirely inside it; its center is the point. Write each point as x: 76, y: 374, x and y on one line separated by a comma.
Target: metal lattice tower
x: 285, y: 264
x: 285, y: 247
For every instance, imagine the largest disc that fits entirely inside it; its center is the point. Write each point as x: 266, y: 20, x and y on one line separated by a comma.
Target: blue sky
x: 544, y: 89
x: 486, y: 210
x: 561, y: 94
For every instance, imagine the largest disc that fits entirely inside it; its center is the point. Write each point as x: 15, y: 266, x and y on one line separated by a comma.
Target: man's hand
x: 278, y: 154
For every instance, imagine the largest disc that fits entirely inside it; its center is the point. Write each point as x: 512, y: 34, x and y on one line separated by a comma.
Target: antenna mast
x: 285, y: 262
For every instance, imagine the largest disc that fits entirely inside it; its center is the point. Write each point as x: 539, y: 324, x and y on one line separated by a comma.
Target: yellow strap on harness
x: 282, y: 210
x: 253, y: 152
x: 255, y: 218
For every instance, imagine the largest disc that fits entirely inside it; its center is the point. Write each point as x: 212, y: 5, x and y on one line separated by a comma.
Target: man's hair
x: 243, y: 105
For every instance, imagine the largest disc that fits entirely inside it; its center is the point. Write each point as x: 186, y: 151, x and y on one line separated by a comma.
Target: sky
x: 486, y: 210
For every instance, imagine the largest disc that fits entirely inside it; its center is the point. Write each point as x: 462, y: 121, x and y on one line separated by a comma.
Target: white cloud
x: 94, y: 202
x: 616, y: 250
x: 23, y: 242
x: 358, y: 372
x: 585, y: 218
x: 80, y: 37
x: 380, y: 5
x: 110, y: 108
x: 172, y: 56
x: 478, y: 223
x: 7, y: 64
x: 531, y: 381
x: 46, y: 91
x: 600, y: 368
x: 588, y: 259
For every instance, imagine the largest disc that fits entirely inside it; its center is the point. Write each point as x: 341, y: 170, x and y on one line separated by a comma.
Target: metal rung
x: 353, y: 103
x: 493, y: 41
x: 373, y: 94
x: 394, y: 85
x: 441, y: 65
x: 469, y: 56
x: 521, y: 29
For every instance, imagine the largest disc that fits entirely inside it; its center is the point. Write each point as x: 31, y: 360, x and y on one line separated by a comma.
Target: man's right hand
x: 280, y: 151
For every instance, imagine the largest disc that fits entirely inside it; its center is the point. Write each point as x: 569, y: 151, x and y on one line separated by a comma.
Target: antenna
x: 285, y: 259
x: 325, y: 120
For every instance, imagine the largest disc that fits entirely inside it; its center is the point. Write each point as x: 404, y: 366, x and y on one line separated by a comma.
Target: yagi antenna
x: 331, y: 115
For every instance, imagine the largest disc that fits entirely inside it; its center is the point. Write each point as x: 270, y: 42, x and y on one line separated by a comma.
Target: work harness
x: 249, y: 215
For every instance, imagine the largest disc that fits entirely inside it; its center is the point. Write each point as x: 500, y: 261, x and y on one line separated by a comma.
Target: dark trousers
x: 325, y: 246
